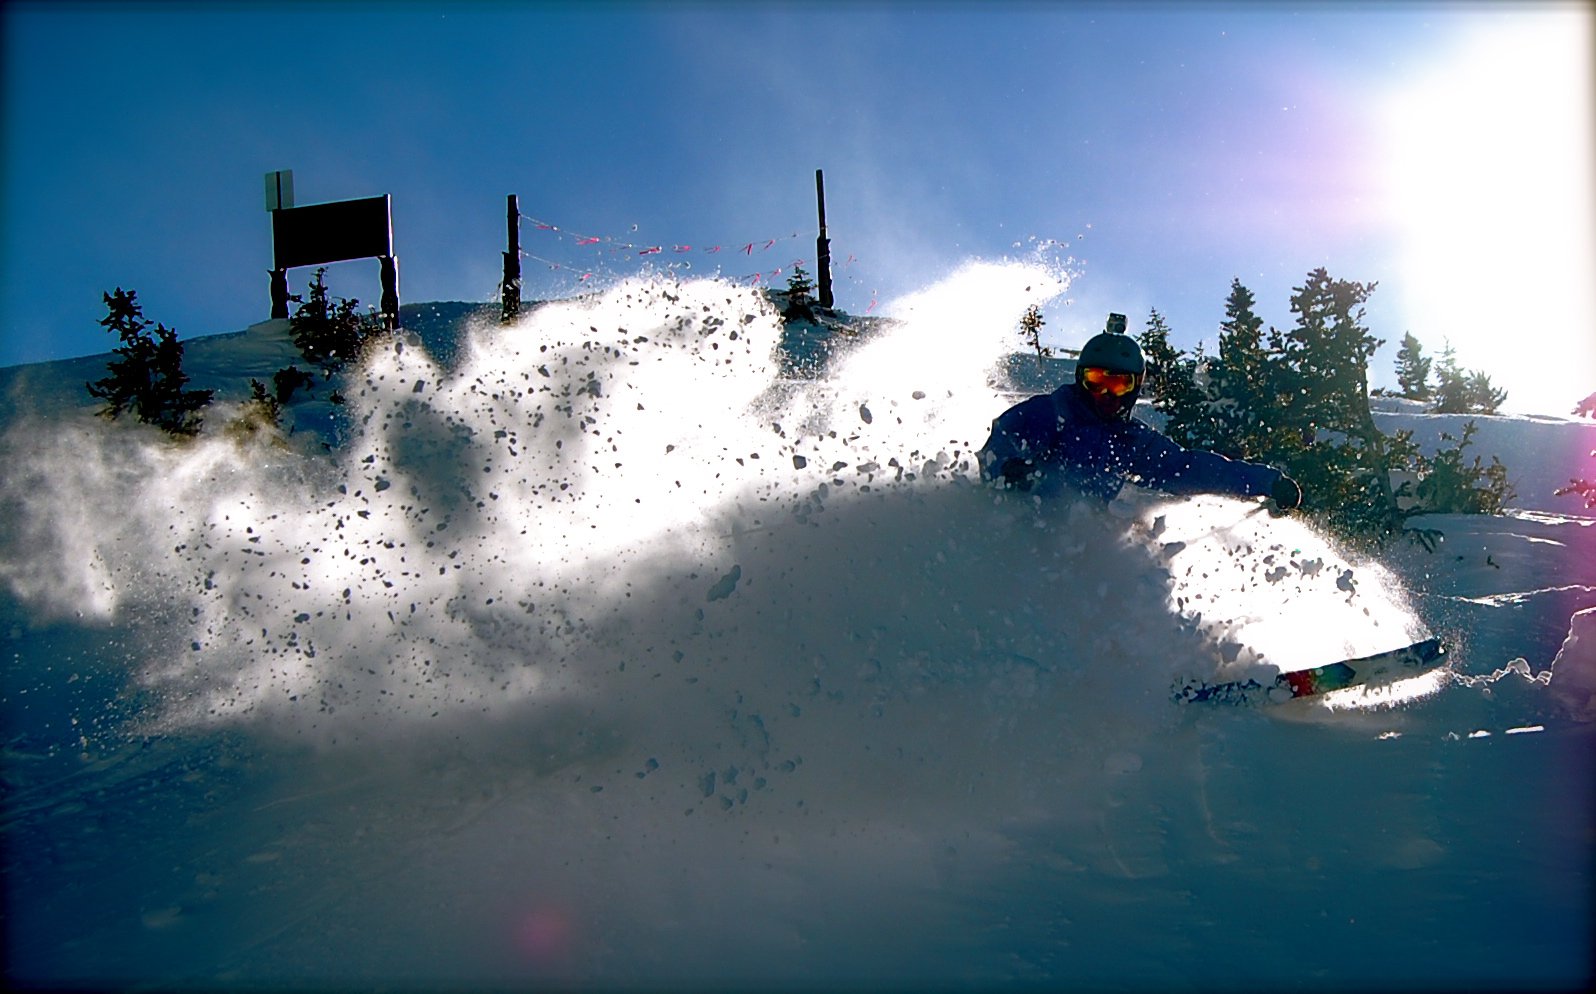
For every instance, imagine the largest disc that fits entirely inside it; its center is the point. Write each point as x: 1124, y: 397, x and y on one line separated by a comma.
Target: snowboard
x: 1382, y: 667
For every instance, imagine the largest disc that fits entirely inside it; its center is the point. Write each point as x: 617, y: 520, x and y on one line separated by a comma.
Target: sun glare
x: 1488, y: 167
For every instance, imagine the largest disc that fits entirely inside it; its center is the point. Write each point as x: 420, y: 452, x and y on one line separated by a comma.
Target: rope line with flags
x: 676, y: 255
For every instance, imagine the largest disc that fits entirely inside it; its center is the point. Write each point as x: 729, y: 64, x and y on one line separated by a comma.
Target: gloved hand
x: 1286, y: 494
x: 1017, y: 473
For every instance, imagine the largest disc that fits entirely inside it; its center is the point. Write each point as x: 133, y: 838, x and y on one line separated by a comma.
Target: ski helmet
x: 1117, y: 352
x: 1108, y: 350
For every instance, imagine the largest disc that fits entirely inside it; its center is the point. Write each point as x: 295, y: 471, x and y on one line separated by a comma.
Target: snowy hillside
x: 601, y: 654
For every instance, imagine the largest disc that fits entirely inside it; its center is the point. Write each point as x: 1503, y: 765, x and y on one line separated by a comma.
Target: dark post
x: 279, y: 195
x: 390, y: 291
x: 279, y: 293
x: 823, y: 244
x: 510, y: 293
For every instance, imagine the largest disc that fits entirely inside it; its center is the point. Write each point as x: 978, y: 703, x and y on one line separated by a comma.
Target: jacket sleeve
x: 1165, y: 465
x: 1007, y: 453
x: 1013, y: 448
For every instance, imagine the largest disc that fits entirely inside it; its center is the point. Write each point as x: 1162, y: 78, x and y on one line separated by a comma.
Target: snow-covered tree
x: 148, y: 380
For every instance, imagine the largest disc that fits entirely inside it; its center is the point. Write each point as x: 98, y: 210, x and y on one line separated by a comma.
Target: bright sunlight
x: 1489, y: 170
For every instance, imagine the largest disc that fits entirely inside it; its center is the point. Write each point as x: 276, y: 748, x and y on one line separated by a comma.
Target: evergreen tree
x: 329, y: 334
x: 286, y: 381
x: 1348, y: 463
x: 148, y: 380
x: 268, y: 405
x: 1451, y: 390
x: 1464, y: 392
x: 1583, y: 486
x: 799, y: 285
x: 1299, y: 401
x: 1163, y: 359
x: 1328, y: 352
x: 800, y: 302
x: 1413, y: 369
x: 258, y: 419
x: 1247, y: 382
x: 1482, y: 397
x: 132, y: 374
x: 1449, y: 485
x: 1172, y: 386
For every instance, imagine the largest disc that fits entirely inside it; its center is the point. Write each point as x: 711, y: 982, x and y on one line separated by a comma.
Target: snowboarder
x: 1082, y: 436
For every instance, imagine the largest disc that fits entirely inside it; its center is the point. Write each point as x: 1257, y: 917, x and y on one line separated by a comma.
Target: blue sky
x: 1442, y: 150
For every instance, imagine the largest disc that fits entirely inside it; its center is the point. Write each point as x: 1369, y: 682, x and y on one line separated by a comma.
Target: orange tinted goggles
x: 1100, y: 380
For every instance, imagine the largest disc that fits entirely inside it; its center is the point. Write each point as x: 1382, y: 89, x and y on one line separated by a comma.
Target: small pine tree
x: 799, y: 285
x: 1449, y: 485
x: 327, y: 334
x: 270, y: 408
x: 286, y: 381
x: 1413, y: 369
x: 148, y: 380
x: 800, y: 300
x: 1451, y: 390
x: 1482, y: 397
x: 1031, y: 324
x: 1580, y: 486
x: 1330, y: 351
x: 259, y: 418
x: 1583, y: 486
x: 131, y: 375
x: 1464, y: 392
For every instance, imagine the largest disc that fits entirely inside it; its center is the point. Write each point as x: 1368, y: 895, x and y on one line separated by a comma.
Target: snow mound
x: 1574, y: 669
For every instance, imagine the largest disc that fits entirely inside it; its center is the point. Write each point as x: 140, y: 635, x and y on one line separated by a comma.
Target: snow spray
x: 618, y: 515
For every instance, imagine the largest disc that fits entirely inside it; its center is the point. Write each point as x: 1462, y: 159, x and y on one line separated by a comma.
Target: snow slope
x: 603, y: 656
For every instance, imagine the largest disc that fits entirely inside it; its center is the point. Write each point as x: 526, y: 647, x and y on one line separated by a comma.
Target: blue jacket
x: 1061, y: 441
